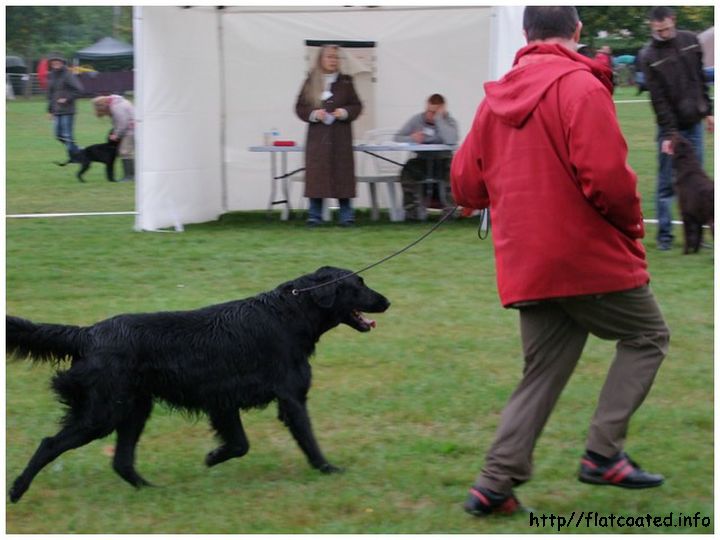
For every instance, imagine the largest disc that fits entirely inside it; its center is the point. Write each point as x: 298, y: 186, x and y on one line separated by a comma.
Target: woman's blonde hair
x: 101, y: 105
x: 315, y: 83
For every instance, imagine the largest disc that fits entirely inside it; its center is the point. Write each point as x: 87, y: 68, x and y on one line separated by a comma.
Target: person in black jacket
x: 673, y: 69
x: 63, y: 89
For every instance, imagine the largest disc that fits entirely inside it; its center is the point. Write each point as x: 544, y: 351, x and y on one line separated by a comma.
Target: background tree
x: 33, y: 31
x: 627, y: 26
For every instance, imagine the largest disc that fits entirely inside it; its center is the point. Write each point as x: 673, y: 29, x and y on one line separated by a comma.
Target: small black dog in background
x: 218, y: 359
x: 102, y: 153
x: 696, y: 193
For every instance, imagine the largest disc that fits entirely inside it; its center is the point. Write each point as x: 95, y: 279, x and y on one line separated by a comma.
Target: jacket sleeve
x: 302, y: 107
x: 598, y: 155
x: 352, y: 105
x: 663, y: 110
x: 701, y: 78
x: 74, y: 86
x: 122, y: 118
x: 447, y: 129
x: 466, y: 172
x: 404, y: 135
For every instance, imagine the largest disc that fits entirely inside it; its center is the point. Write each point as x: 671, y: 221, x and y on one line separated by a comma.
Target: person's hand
x: 320, y: 114
x: 666, y: 147
x: 62, y: 100
x: 710, y: 123
x: 339, y: 113
x: 418, y: 137
x: 113, y: 137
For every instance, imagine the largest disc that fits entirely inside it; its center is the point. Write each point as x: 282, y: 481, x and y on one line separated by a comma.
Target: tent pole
x: 223, y: 113
x: 138, y: 97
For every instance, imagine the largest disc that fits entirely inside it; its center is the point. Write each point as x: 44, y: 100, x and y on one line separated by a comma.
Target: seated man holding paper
x: 433, y: 126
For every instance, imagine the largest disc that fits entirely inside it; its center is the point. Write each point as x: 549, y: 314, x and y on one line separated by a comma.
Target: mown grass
x: 408, y: 409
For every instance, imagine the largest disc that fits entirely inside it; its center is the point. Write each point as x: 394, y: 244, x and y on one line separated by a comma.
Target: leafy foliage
x: 33, y: 31
x: 627, y: 26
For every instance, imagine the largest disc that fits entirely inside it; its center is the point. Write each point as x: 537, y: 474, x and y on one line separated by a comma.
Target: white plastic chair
x: 374, y: 170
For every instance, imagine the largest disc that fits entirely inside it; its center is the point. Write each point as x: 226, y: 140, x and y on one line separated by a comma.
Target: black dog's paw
x: 327, y: 468
x: 213, y: 457
x: 16, y: 492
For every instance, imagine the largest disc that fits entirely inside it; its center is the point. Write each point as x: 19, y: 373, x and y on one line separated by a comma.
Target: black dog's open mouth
x: 359, y: 322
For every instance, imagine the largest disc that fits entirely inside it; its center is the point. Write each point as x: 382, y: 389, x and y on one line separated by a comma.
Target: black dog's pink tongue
x: 369, y: 322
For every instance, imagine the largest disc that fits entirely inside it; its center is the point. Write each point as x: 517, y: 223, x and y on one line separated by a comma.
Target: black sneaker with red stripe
x: 483, y: 502
x: 618, y: 471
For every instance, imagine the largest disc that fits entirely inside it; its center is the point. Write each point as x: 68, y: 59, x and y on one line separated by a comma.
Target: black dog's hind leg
x: 73, y: 435
x: 85, y: 166
x: 229, y: 428
x: 128, y: 434
x: 293, y: 413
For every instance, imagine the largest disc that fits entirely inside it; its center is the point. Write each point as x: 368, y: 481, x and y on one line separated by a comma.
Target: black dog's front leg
x: 83, y: 168
x: 110, y: 171
x: 294, y: 415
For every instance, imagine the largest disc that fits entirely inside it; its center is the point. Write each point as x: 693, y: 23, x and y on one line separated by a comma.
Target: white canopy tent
x: 210, y: 82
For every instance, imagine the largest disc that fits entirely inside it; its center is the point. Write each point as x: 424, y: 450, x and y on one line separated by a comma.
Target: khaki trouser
x: 553, y: 334
x: 127, y: 146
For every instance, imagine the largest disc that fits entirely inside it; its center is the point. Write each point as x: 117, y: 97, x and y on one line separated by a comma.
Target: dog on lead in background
x: 104, y: 153
x: 217, y: 360
x: 695, y: 192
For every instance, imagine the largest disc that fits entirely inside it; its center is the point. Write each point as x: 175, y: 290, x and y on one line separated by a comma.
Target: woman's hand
x: 319, y: 114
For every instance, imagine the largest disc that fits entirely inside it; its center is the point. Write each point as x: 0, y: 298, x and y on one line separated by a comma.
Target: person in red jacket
x: 545, y: 153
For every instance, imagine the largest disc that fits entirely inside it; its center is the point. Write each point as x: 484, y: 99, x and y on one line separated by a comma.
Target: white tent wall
x: 178, y: 117
x: 419, y: 51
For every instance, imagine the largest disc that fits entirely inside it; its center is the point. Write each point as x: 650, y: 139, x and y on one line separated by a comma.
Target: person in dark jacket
x: 62, y: 91
x: 673, y: 69
x: 329, y: 104
x: 546, y: 145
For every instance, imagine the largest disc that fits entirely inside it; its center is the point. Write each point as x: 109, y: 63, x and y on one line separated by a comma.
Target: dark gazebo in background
x: 112, y: 62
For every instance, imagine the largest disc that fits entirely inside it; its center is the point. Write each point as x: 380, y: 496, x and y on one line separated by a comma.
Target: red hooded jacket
x: 546, y: 154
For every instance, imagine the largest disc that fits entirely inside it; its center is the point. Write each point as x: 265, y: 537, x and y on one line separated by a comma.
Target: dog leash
x: 483, y: 223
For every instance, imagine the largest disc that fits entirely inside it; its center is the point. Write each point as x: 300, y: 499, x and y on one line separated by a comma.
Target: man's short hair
x: 545, y: 22
x: 660, y: 13
x: 436, y: 99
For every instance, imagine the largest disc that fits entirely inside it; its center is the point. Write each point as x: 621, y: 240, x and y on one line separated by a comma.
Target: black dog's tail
x: 42, y: 341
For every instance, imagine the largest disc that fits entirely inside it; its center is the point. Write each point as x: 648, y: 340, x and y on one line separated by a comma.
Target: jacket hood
x: 535, y: 69
x: 56, y: 56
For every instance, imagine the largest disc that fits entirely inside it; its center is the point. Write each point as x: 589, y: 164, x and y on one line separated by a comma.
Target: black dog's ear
x: 324, y: 296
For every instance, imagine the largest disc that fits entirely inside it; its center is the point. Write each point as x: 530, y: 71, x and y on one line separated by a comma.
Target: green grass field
x: 408, y: 409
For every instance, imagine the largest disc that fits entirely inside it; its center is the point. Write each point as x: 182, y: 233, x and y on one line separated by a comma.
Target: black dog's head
x: 343, y: 299
x: 682, y: 151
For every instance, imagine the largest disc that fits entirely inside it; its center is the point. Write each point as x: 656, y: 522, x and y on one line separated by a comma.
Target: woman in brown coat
x: 328, y: 103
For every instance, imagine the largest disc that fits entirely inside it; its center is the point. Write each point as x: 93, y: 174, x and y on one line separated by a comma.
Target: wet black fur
x: 216, y: 360
x: 102, y: 153
x: 695, y: 191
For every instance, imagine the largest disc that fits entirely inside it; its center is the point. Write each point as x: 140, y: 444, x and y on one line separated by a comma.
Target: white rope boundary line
x: 71, y: 214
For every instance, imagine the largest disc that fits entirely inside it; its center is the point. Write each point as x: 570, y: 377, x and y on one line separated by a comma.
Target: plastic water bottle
x: 274, y: 134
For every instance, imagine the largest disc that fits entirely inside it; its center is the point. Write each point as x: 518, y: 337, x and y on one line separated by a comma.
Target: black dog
x: 696, y: 193
x: 219, y: 359
x: 102, y: 153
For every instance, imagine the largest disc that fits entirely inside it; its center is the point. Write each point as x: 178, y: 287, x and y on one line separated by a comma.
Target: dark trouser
x: 665, y: 192
x: 414, y: 173
x: 553, y: 337
x: 315, y: 211
x: 63, y: 128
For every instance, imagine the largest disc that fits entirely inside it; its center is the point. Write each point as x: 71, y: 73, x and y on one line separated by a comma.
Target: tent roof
x: 107, y: 47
